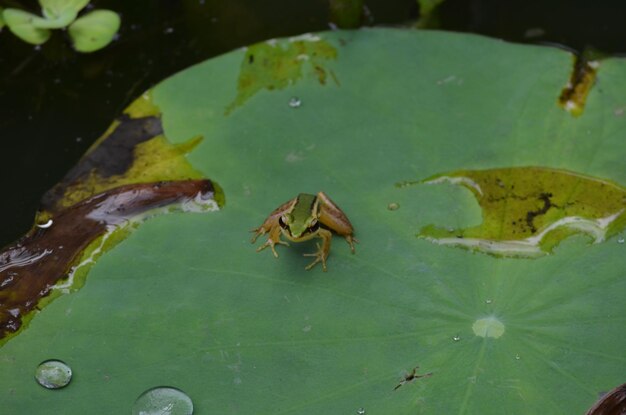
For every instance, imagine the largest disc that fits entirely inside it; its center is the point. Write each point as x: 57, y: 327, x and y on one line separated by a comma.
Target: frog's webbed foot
x: 257, y: 232
x: 320, y: 256
x: 271, y: 243
x: 351, y: 240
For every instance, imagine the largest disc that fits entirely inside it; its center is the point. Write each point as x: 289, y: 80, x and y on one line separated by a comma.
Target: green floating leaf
x: 185, y: 301
x: 26, y: 26
x: 1, y: 19
x: 527, y: 211
x: 60, y: 13
x: 62, y: 9
x: 94, y: 30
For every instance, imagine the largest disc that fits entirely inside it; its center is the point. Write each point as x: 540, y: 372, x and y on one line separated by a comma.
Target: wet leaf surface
x: 186, y: 302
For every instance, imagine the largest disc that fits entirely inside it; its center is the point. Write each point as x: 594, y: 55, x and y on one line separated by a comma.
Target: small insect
x: 305, y: 217
x: 409, y: 377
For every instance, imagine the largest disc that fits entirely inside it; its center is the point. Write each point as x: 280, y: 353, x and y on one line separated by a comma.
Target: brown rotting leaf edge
x: 611, y: 403
x: 574, y: 96
x: 130, y: 174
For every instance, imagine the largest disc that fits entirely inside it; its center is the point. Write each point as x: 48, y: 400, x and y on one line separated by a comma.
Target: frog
x: 303, y: 218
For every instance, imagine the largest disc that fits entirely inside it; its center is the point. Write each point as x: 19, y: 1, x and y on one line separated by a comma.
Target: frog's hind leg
x: 334, y: 218
x: 351, y: 241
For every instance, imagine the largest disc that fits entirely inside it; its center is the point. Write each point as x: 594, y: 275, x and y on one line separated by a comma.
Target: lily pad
x: 403, y: 326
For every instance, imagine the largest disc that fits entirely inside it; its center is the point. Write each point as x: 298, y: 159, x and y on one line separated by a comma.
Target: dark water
x: 54, y: 103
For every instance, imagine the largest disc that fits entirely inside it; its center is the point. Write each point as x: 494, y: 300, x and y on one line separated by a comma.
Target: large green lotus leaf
x: 185, y: 301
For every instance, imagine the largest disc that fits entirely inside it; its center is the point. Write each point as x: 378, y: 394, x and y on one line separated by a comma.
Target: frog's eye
x: 315, y: 225
x: 281, y: 222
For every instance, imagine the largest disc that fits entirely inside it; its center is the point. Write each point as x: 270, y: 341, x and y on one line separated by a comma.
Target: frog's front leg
x: 322, y: 251
x: 270, y: 225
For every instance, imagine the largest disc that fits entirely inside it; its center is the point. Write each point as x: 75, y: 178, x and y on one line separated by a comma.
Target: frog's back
x: 304, y: 206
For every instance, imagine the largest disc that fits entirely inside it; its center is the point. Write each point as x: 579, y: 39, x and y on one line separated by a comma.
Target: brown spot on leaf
x: 544, y: 198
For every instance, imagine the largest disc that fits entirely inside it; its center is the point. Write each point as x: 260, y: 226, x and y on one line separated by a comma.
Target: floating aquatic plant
x: 90, y: 32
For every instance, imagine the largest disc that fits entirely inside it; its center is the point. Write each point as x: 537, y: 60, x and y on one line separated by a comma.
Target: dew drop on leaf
x: 163, y: 400
x: 53, y: 374
x: 295, y: 102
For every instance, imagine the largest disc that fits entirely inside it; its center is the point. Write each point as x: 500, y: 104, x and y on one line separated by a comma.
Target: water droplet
x: 393, y: 206
x: 361, y: 411
x: 45, y: 225
x: 488, y: 301
x: 620, y: 240
x: 163, y: 400
x: 456, y: 338
x: 517, y: 357
x: 53, y: 374
x: 295, y: 102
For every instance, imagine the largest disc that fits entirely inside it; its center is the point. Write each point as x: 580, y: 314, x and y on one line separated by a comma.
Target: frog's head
x: 298, y: 228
